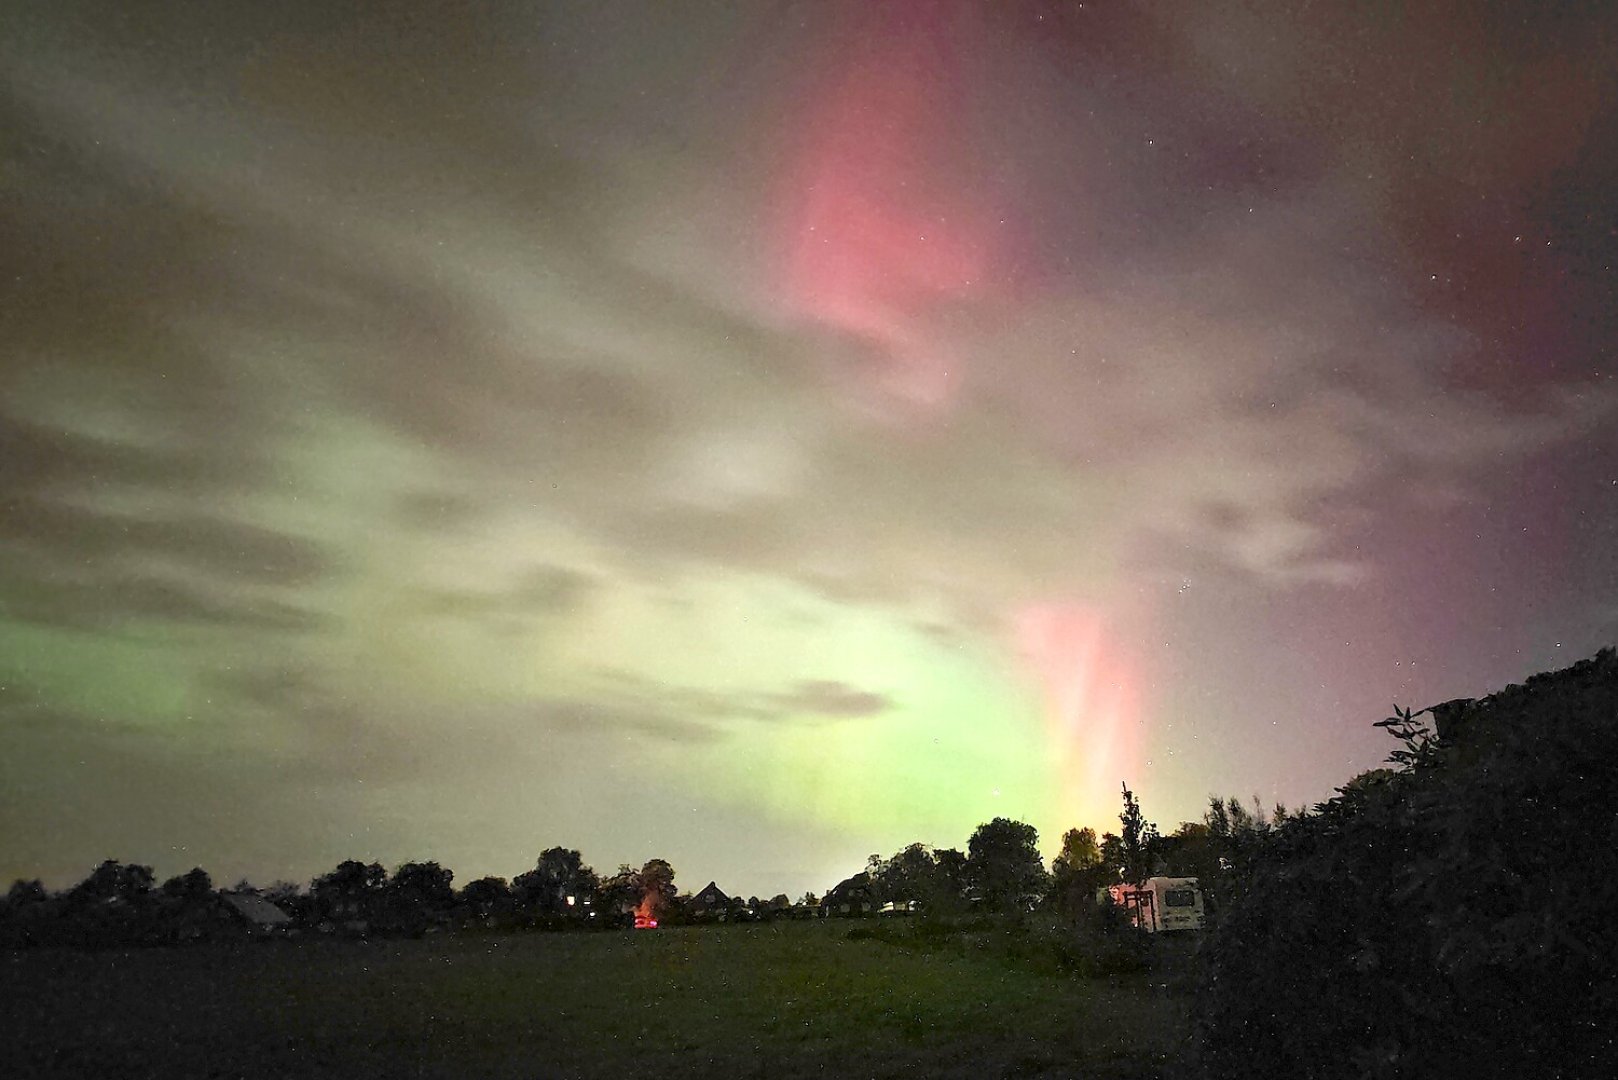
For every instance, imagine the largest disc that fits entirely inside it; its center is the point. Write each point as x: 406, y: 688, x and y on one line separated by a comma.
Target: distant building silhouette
x: 851, y: 896
x: 256, y: 912
x: 711, y: 898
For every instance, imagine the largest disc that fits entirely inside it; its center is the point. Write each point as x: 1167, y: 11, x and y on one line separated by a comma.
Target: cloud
x: 807, y: 701
x: 116, y: 601
x: 216, y: 545
x: 1184, y: 363
x: 438, y: 511
x: 831, y: 699
x: 541, y: 592
x: 622, y: 719
x: 674, y: 420
x: 41, y: 459
x: 307, y: 718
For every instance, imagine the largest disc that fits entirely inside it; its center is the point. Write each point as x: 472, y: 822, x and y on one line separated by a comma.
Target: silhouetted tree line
x: 121, y: 904
x: 1000, y: 871
x: 116, y: 904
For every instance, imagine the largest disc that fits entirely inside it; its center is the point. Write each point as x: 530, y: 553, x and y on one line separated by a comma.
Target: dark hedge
x: 1455, y: 916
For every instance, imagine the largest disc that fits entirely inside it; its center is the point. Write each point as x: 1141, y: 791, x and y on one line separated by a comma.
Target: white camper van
x: 1161, y: 904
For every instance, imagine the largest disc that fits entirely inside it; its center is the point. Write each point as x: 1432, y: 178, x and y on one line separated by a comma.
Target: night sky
x: 760, y: 435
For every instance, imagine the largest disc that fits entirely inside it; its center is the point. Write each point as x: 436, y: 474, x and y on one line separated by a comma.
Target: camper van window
x: 1179, y: 898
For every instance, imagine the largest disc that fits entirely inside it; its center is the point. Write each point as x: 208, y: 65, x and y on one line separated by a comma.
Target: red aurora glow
x: 873, y: 240
x: 1092, y: 699
x: 883, y: 234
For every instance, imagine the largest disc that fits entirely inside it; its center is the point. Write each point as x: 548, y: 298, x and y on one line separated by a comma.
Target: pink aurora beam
x: 880, y: 234
x: 1092, y: 705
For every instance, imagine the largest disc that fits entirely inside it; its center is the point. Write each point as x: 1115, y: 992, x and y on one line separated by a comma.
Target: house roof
x: 256, y: 909
x: 857, y: 886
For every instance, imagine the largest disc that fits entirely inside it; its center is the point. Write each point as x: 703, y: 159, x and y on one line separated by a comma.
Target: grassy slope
x: 778, y: 1001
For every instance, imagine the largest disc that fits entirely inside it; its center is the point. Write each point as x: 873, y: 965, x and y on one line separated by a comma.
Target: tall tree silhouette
x: 1138, y: 841
x: 1003, y: 862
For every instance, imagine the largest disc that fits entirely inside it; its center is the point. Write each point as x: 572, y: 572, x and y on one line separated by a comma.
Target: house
x: 257, y: 913
x: 711, y: 899
x: 852, y: 896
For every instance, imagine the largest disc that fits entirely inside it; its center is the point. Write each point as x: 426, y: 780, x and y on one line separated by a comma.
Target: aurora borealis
x: 761, y: 435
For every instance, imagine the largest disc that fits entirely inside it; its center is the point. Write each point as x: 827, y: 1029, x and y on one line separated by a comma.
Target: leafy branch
x: 1420, y: 743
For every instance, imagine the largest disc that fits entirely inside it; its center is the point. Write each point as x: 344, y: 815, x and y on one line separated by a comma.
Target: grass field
x: 783, y: 1000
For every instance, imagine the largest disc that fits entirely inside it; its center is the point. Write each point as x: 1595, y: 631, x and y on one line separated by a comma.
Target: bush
x: 1451, y: 918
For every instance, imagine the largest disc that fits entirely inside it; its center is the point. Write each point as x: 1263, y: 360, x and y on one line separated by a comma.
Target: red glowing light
x: 646, y: 913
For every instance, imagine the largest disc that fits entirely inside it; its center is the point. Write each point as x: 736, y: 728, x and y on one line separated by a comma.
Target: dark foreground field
x: 787, y: 1000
